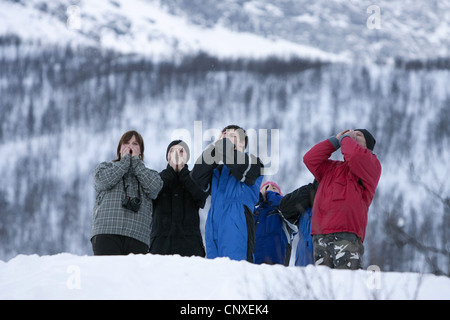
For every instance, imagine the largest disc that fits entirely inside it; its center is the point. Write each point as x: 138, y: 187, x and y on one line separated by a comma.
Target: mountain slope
x: 139, y: 27
x: 331, y: 30
x: 407, y: 29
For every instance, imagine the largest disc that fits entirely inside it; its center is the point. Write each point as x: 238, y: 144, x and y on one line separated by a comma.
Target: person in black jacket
x: 176, y: 221
x: 296, y: 207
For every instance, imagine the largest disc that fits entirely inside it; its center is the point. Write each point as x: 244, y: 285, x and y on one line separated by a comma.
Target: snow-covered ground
x: 67, y: 276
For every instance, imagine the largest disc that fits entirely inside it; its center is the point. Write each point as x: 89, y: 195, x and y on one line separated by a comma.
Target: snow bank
x: 67, y: 276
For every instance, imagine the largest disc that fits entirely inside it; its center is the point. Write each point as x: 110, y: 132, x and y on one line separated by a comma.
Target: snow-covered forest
x: 64, y: 112
x: 64, y: 106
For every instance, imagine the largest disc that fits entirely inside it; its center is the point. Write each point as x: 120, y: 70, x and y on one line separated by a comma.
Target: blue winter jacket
x: 304, y: 254
x: 234, y: 189
x: 272, y: 242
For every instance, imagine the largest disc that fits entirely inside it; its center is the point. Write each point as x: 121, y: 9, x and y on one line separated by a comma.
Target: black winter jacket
x: 176, y: 221
x: 295, y: 203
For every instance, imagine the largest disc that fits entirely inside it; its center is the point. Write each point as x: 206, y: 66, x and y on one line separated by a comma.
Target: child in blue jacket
x: 276, y: 218
x: 273, y: 233
x: 232, y: 177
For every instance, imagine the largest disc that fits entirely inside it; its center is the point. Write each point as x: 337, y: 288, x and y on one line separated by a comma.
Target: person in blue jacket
x: 232, y: 177
x: 297, y: 208
x: 274, y: 234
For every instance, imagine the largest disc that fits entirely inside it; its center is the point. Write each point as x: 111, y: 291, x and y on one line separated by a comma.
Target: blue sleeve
x: 273, y: 198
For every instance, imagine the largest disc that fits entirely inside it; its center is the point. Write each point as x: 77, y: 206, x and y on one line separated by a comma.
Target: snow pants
x: 340, y: 250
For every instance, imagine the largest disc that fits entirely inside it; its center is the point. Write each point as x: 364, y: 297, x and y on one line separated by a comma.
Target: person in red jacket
x: 346, y: 189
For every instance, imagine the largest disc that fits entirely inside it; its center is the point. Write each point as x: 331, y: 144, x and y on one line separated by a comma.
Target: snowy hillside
x: 138, y: 27
x: 66, y: 276
x: 363, y: 30
x: 331, y: 30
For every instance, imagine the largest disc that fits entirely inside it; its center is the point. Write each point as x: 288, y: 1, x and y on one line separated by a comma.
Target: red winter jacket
x: 346, y: 188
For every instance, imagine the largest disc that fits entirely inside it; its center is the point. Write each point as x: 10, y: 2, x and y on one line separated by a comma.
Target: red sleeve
x: 317, y: 159
x: 362, y: 162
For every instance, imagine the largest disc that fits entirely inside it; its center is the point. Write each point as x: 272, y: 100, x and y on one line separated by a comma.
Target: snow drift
x: 67, y: 276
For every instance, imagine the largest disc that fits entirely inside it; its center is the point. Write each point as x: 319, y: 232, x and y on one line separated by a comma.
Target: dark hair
x: 241, y: 132
x: 127, y: 137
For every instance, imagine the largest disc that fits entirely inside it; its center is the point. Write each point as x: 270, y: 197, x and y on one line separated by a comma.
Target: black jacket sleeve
x: 198, y: 194
x: 201, y: 174
x: 297, y: 202
x: 244, y: 167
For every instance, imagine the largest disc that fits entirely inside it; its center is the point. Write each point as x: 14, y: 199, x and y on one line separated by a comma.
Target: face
x: 131, y: 141
x: 234, y: 136
x: 268, y: 187
x: 359, y: 137
x: 133, y: 144
x: 271, y: 187
x: 177, y: 150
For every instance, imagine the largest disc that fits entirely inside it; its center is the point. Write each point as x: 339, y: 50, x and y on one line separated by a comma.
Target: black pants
x: 114, y: 244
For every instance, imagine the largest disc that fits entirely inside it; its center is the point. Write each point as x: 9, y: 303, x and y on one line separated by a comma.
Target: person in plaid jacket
x: 118, y: 229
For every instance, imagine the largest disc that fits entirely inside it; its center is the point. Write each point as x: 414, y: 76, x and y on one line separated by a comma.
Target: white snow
x: 145, y: 28
x: 66, y: 276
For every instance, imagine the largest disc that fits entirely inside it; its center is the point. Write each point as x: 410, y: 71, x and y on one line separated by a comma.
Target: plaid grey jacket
x: 109, y: 216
